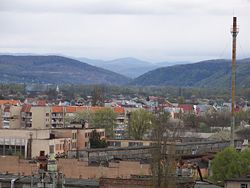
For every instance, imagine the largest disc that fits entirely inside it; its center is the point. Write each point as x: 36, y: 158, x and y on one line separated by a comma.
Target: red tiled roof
x: 96, y: 108
x: 41, y: 102
x: 119, y: 110
x: 12, y: 102
x: 26, y: 108
x: 81, y: 108
x: 57, y: 109
x: 71, y: 109
x: 186, y: 107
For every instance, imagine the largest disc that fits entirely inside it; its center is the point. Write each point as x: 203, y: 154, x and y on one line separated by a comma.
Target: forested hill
x: 211, y: 73
x: 55, y: 70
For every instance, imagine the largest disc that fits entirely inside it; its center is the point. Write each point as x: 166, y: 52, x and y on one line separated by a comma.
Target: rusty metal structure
x: 234, y: 32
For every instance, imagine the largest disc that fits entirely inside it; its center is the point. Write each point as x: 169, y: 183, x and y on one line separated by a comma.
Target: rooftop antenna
x: 234, y: 32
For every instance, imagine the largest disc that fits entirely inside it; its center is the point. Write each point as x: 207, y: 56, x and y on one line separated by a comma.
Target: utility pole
x: 234, y: 32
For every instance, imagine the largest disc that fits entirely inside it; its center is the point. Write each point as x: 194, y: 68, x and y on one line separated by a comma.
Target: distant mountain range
x: 130, y: 67
x: 211, y: 73
x: 55, y: 70
x: 61, y: 70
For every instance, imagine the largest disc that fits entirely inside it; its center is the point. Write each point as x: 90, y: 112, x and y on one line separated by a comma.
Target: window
x: 101, y: 133
x: 74, y: 145
x: 135, y: 144
x: 74, y: 135
x: 114, y: 143
x: 51, y: 149
x: 243, y: 185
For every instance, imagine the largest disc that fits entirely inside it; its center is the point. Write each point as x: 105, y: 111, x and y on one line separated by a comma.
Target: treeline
x: 71, y: 91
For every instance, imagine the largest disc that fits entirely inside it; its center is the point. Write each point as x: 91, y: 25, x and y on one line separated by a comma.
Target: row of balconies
x: 57, y: 115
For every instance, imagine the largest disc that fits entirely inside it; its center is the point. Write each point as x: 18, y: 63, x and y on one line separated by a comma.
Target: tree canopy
x: 230, y: 163
x: 82, y: 117
x: 140, y: 122
x: 96, y: 141
x: 105, y: 118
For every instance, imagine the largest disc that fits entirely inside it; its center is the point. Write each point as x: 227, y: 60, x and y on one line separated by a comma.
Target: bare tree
x: 217, y: 119
x: 163, y: 165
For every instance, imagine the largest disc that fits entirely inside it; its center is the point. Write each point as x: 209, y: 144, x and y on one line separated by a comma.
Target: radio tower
x: 234, y: 31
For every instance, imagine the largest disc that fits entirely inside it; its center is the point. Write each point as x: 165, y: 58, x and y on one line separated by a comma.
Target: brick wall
x: 13, y: 164
x: 72, y: 168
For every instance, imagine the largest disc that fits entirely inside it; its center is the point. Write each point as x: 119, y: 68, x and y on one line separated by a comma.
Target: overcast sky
x: 153, y: 30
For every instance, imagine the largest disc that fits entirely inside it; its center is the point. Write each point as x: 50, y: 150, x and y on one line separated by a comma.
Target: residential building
x: 25, y: 143
x: 58, y: 116
x: 242, y: 182
x: 79, y: 137
x: 9, y: 113
x: 10, y: 102
x: 36, y: 117
x: 10, y: 116
x: 186, y: 108
x: 29, y: 142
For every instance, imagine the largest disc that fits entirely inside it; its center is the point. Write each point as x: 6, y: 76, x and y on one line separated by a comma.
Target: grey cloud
x: 104, y: 6
x: 154, y: 29
x: 77, y: 6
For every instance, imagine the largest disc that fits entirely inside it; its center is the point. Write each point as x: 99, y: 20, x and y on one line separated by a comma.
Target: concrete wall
x: 15, y: 112
x: 12, y: 164
x: 39, y: 118
x: 1, y: 119
x: 39, y: 145
x: 24, y: 133
x: 44, y: 145
x: 179, y: 182
x: 14, y: 116
x: 144, y: 152
x: 113, y: 153
x: 236, y: 184
x: 40, y: 140
x: 81, y: 136
x: 126, y: 143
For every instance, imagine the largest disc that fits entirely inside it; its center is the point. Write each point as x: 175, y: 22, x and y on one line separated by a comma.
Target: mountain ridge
x: 63, y: 70
x: 128, y: 66
x: 54, y: 69
x: 209, y: 73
